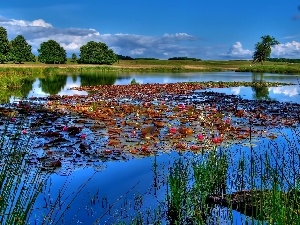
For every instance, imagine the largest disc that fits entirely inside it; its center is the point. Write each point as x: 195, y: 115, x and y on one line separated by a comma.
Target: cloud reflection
x: 288, y: 91
x: 236, y: 90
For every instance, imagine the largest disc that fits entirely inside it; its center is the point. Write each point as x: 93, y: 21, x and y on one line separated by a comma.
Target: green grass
x: 174, y: 66
x: 284, y: 69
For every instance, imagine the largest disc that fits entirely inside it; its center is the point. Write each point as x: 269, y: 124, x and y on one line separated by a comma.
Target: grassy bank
x: 284, y: 69
x: 174, y: 66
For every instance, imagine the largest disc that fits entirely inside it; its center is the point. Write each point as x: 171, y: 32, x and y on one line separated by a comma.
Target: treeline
x: 283, y: 60
x: 122, y: 57
x: 50, y: 52
x: 184, y: 58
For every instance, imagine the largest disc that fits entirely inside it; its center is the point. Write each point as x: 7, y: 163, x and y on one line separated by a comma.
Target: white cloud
x: 24, y: 23
x: 237, y: 52
x: 138, y: 51
x: 287, y: 50
x: 288, y: 91
x: 38, y: 31
x: 70, y: 46
x: 164, y: 46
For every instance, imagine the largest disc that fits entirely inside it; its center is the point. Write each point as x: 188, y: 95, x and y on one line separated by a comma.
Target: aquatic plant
x: 20, y: 182
x: 121, y: 122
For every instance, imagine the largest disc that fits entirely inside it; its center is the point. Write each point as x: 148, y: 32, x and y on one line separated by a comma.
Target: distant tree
x: 122, y: 57
x: 4, y: 45
x: 20, y: 50
x: 73, y: 58
x: 51, y: 52
x: 263, y: 48
x: 184, y: 58
x: 97, y: 53
x: 287, y: 60
x: 142, y: 58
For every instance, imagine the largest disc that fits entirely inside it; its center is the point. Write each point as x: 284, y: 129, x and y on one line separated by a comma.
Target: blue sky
x: 214, y: 29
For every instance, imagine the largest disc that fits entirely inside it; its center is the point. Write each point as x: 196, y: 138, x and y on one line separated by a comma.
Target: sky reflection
x: 284, y: 93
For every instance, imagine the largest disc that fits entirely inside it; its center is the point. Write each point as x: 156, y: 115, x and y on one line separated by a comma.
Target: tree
x: 97, y: 53
x: 4, y: 45
x: 263, y: 48
x: 73, y: 58
x: 20, y: 50
x: 51, y: 52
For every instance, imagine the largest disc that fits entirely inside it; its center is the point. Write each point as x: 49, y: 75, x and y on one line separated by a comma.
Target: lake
x: 111, y: 191
x: 61, y: 85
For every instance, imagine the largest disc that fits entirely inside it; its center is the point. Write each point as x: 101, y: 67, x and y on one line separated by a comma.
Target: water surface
x: 86, y: 192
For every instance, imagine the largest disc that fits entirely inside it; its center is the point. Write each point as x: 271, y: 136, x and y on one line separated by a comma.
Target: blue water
x: 118, y: 188
x: 284, y: 93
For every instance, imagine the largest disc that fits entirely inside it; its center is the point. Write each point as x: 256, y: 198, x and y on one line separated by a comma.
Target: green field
x: 165, y: 66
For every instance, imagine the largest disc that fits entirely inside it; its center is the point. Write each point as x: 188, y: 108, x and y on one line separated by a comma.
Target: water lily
x: 133, y: 133
x: 200, y: 137
x: 173, y: 130
x: 24, y: 131
x: 65, y: 128
x: 227, y: 120
x: 83, y: 136
x: 217, y: 140
x: 144, y: 148
x: 181, y: 106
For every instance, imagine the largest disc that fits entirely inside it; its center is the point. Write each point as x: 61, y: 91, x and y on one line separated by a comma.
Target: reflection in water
x: 120, y: 178
x: 260, y: 93
x: 98, y: 79
x: 53, y: 84
x: 60, y: 84
x: 22, y: 92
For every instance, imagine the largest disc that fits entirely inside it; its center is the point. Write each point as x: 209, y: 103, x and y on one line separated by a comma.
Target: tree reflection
x: 53, y: 84
x: 98, y: 79
x: 22, y: 89
x: 26, y: 86
x: 260, y: 92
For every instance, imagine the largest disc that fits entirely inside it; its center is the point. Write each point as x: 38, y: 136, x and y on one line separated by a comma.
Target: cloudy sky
x: 214, y: 29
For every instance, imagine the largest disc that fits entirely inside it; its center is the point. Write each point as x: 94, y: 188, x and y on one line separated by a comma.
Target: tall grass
x: 263, y: 184
x: 191, y: 183
x: 20, y: 183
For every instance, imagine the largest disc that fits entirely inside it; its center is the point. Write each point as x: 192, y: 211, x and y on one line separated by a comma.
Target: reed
x: 20, y: 183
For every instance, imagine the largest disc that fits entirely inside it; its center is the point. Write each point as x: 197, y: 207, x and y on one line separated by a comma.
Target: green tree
x: 4, y: 45
x: 51, y: 52
x: 263, y: 48
x: 97, y: 53
x: 73, y: 58
x: 20, y: 50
